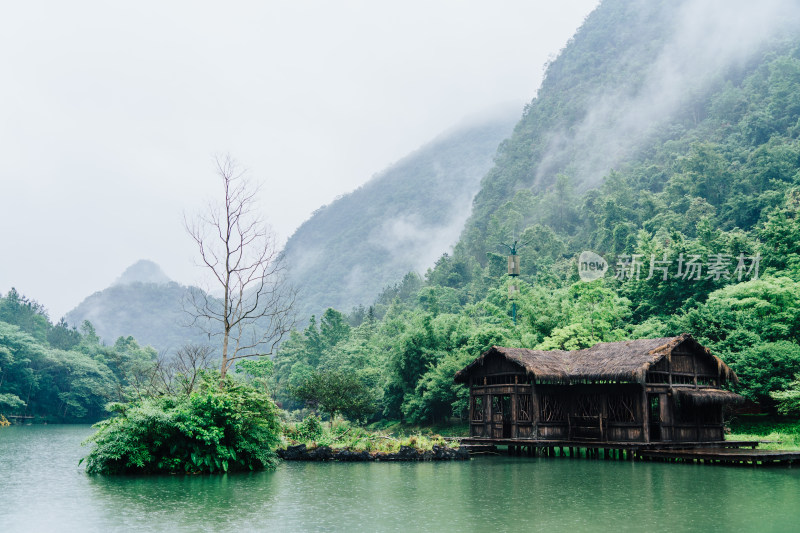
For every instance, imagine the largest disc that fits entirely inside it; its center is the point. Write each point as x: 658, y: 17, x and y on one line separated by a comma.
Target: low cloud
x: 709, y: 38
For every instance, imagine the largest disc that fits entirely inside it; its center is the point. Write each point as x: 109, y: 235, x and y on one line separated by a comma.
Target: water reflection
x: 44, y: 489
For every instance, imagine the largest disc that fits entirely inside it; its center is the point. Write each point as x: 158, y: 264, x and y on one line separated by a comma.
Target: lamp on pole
x: 513, y: 271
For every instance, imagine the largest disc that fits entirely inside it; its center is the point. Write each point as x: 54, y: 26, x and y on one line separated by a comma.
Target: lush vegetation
x: 773, y: 433
x: 170, y: 414
x: 59, y: 373
x: 716, y: 179
x: 346, y: 436
x: 336, y: 392
x: 215, y: 428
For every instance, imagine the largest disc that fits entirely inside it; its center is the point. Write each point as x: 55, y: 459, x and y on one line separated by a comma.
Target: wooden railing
x: 585, y: 427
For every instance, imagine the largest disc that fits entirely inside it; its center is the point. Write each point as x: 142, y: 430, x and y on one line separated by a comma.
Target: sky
x: 112, y: 114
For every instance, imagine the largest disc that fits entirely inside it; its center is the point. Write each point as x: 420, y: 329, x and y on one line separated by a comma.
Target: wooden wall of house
x: 685, y: 367
x: 559, y: 412
x: 685, y: 422
x: 607, y: 413
x: 496, y: 365
x: 591, y: 412
x: 490, y: 417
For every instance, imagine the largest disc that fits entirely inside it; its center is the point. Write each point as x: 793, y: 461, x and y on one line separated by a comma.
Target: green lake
x: 42, y: 488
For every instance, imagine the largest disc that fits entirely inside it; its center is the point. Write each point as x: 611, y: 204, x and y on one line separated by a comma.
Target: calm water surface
x: 42, y: 488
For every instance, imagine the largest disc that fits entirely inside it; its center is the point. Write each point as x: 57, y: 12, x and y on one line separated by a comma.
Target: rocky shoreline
x: 406, y: 453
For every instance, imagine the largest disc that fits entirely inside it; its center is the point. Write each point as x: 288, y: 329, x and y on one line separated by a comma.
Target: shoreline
x: 406, y: 453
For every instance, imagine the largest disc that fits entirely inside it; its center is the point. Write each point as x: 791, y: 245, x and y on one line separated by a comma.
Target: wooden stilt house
x: 648, y: 390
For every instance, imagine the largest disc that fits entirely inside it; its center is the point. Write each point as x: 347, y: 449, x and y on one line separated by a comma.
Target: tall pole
x: 513, y: 271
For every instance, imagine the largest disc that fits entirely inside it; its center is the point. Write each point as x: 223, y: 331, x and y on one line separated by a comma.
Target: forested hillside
x: 60, y: 373
x: 665, y: 138
x: 399, y: 221
x: 143, y: 303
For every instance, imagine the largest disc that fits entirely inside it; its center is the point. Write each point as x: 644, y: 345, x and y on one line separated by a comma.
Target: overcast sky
x: 111, y: 114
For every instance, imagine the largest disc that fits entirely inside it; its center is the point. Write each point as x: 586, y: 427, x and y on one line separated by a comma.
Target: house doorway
x: 654, y: 404
x: 501, y: 416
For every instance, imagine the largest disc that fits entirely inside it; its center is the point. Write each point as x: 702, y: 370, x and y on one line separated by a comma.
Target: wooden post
x: 645, y: 415
x: 515, y: 409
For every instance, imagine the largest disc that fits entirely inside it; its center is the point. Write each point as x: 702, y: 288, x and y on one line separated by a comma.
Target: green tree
x: 63, y: 337
x: 333, y: 327
x: 788, y: 400
x: 335, y: 392
x: 766, y: 368
x: 781, y: 236
x: 29, y: 315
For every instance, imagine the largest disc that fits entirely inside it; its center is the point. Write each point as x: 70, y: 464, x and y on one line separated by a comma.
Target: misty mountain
x: 634, y: 94
x: 399, y: 221
x: 143, y: 271
x: 144, y: 303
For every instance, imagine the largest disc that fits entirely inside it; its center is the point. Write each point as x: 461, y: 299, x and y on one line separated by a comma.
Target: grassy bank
x: 393, y: 427
x: 783, y: 433
x: 347, y: 436
x: 388, y: 436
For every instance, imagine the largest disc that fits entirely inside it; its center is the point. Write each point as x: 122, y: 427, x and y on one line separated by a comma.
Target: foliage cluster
x: 345, y: 435
x: 60, y: 373
x: 215, y: 428
x: 336, y: 391
x: 310, y: 429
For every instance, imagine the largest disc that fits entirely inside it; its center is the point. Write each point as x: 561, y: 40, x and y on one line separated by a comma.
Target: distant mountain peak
x: 143, y: 271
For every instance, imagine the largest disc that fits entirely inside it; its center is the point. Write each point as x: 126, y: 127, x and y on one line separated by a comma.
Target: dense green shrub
x: 335, y: 391
x: 310, y: 429
x: 215, y: 429
x: 788, y: 400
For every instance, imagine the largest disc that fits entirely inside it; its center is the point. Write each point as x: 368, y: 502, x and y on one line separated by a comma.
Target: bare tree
x: 189, y: 361
x: 164, y: 374
x: 254, y: 311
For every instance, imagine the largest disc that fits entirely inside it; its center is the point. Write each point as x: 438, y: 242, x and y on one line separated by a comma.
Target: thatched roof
x: 625, y: 361
x: 707, y: 396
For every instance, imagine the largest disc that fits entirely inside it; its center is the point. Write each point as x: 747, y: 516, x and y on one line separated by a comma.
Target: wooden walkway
x: 731, y: 456
x: 715, y: 452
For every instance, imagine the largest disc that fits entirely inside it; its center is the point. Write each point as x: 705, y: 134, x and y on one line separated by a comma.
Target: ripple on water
x: 44, y: 489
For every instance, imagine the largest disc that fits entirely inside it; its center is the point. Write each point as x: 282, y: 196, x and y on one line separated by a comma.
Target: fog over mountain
x: 400, y: 221
x: 636, y: 75
x: 704, y: 42
x: 144, y: 303
x: 343, y: 256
